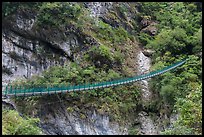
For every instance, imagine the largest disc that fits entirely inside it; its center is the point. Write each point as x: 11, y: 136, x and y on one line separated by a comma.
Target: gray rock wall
x: 62, y: 122
x: 26, y: 53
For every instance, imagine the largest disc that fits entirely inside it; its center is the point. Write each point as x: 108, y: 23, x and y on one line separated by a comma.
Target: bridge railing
x: 14, y: 90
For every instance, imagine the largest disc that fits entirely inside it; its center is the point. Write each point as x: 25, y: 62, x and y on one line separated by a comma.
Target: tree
x: 174, y: 41
x: 13, y: 124
x: 190, y: 114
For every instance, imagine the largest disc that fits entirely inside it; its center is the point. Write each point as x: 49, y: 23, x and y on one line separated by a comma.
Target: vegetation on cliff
x: 179, y: 36
x: 13, y: 124
x: 101, y: 62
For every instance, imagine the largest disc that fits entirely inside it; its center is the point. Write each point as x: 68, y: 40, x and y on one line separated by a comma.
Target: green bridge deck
x: 17, y: 91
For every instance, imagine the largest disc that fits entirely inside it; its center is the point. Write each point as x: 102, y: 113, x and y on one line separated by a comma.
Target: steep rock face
x: 144, y: 66
x: 147, y: 125
x: 27, y: 50
x: 98, y: 8
x: 125, y: 15
x: 122, y: 15
x: 23, y: 57
x: 76, y: 122
x: 150, y: 29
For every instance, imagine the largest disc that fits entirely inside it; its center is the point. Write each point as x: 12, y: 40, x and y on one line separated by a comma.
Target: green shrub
x: 144, y: 38
x: 108, y: 34
x: 168, y: 92
x: 120, y: 35
x: 118, y: 56
x: 13, y: 124
x: 57, y: 13
x: 133, y: 131
x: 177, y: 130
x: 102, y: 51
x: 189, y: 109
x: 8, y: 8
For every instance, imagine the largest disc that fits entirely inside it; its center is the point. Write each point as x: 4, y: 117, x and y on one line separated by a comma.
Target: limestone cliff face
x: 76, y: 122
x: 28, y: 50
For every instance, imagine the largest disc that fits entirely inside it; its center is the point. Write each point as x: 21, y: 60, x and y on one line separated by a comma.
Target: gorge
x: 53, y: 43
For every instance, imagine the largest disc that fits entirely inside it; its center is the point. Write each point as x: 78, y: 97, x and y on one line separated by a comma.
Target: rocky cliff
x: 28, y: 50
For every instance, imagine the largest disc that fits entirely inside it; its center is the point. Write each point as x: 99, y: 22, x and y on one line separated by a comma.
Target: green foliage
x: 179, y: 27
x: 114, y: 35
x: 119, y: 57
x: 179, y: 36
x: 104, y: 51
x: 88, y: 71
x: 196, y: 40
x: 49, y: 14
x: 112, y: 75
x: 178, y: 88
x: 189, y: 109
x: 122, y: 99
x: 8, y: 8
x: 106, y: 55
x: 144, y: 38
x: 167, y: 92
x: 179, y: 15
x: 133, y: 131
x: 151, y: 8
x: 70, y: 109
x: 191, y: 104
x: 122, y: 8
x: 179, y: 83
x: 191, y: 67
x: 120, y: 35
x: 174, y: 41
x: 177, y: 130
x: 68, y: 75
x: 58, y: 13
x: 85, y: 21
x: 13, y: 124
x: 104, y: 32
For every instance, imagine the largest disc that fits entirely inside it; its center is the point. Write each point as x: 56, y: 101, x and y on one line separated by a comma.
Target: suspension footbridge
x: 22, y: 91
